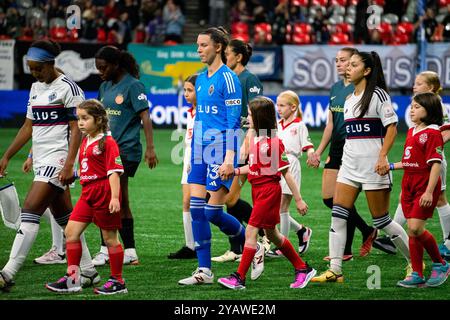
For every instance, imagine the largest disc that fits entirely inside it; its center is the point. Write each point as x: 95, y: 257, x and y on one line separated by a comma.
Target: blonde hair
x: 432, y: 79
x: 292, y: 99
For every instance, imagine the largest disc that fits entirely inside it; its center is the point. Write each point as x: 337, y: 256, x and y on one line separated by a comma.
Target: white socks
x: 294, y: 224
x: 284, y: 224
x: 395, y: 231
x: 399, y: 215
x: 86, y: 265
x: 336, y: 241
x: 188, y: 235
x: 25, y: 237
x: 444, y: 218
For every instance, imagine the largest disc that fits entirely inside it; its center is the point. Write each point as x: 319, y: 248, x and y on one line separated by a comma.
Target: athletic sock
x: 328, y: 202
x: 187, y: 225
x: 58, y: 224
x: 116, y: 261
x: 337, y: 237
x: 226, y: 222
x: 444, y: 218
x: 289, y: 252
x: 294, y: 225
x: 127, y: 233
x: 86, y: 265
x: 395, y: 231
x: 399, y: 216
x: 284, y: 223
x: 74, y: 251
x: 349, y: 236
x: 247, y: 257
x: 416, y: 251
x: 25, y: 237
x: 201, y: 231
x: 429, y: 244
x: 241, y: 210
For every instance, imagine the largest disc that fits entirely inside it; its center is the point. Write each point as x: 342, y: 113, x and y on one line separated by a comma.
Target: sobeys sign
x: 162, y: 68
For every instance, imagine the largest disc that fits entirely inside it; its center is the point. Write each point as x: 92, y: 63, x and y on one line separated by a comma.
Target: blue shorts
x: 206, y: 171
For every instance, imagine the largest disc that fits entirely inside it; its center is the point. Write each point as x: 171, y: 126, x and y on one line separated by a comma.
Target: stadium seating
x: 262, y: 33
x: 339, y: 38
x: 240, y: 30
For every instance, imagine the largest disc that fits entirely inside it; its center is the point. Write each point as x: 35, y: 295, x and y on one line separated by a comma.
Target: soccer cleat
x: 447, y: 257
x: 367, y: 244
x: 412, y: 281
x: 233, y: 281
x: 112, y: 286
x: 302, y: 277
x: 51, y: 257
x: 304, y: 238
x: 198, y: 277
x: 90, y: 281
x: 328, y: 276
x: 5, y: 284
x: 443, y: 250
x: 101, y: 258
x: 274, y: 253
x: 345, y: 257
x: 385, y: 244
x: 439, y: 274
x: 258, y: 262
x: 130, y: 257
x: 183, y: 253
x: 227, y: 256
x: 65, y: 284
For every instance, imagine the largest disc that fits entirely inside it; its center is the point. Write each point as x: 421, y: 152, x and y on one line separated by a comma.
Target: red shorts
x: 93, y: 206
x: 413, y: 187
x: 266, y: 206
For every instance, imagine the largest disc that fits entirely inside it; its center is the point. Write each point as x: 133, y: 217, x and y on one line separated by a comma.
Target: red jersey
x: 266, y: 160
x: 422, y: 147
x: 98, y: 165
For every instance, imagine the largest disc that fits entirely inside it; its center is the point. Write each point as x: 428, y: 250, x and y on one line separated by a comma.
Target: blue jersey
x: 219, y: 104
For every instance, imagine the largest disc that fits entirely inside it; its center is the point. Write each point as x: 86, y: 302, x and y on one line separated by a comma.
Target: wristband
x: 30, y: 156
x: 391, y: 166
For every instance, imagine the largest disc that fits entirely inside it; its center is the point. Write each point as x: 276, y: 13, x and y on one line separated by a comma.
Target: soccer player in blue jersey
x: 214, y: 150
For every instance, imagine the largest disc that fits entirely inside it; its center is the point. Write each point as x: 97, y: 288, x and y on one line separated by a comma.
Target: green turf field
x: 156, y: 204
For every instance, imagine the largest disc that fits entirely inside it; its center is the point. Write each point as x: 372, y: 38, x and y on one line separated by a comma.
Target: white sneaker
x: 198, y: 277
x: 227, y: 256
x: 258, y: 262
x: 51, y: 257
x: 130, y: 257
x: 101, y: 258
x: 266, y: 244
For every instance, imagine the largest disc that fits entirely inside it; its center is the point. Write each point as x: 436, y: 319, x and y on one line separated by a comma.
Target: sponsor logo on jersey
x: 423, y: 138
x: 407, y: 153
x: 213, y: 183
x: 410, y: 164
x: 337, y: 109
x: 332, y: 98
x: 208, y: 109
x: 284, y: 157
x: 52, y: 97
x: 118, y: 160
x: 93, y: 177
x: 142, y: 96
x: 112, y: 112
x: 211, y: 89
x: 233, y: 102
x: 255, y: 89
x: 439, y: 150
x: 119, y: 99
x: 84, y: 165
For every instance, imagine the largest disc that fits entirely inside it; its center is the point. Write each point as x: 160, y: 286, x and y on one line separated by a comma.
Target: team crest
x: 439, y: 150
x: 96, y: 150
x: 52, y: 97
x: 118, y: 160
x: 423, y: 138
x: 211, y: 90
x: 119, y: 99
x: 293, y: 131
x: 388, y: 112
x: 284, y: 157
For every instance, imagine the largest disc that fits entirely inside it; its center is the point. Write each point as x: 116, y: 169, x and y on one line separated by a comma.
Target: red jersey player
x: 267, y: 162
x: 421, y: 187
x: 100, y: 167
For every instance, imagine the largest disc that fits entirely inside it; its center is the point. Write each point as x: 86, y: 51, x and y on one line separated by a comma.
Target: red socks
x: 116, y: 261
x: 429, y: 243
x: 416, y: 253
x: 417, y: 244
x: 73, y: 250
x: 246, y: 261
x: 289, y: 252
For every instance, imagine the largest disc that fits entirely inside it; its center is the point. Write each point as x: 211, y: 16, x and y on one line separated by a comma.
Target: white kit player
x: 51, y: 123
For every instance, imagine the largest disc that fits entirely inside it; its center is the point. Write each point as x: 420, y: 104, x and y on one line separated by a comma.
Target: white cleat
x: 258, y: 262
x: 101, y: 258
x: 51, y: 257
x: 198, y: 277
x: 130, y: 257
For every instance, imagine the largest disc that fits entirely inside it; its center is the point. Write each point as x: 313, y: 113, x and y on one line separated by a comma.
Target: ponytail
x: 119, y: 57
x: 374, y: 79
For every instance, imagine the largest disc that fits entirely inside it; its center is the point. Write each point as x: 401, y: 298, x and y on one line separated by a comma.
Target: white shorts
x: 361, y: 185
x: 186, y: 165
x: 49, y: 174
x: 295, y: 170
x: 373, y: 180
x: 443, y: 174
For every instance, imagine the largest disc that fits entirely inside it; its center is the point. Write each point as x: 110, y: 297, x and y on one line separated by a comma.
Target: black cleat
x: 183, y: 253
x: 5, y: 284
x: 385, y: 244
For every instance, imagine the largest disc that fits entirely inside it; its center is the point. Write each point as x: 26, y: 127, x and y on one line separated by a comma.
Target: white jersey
x: 51, y: 107
x: 365, y: 137
x: 187, y: 144
x: 295, y: 138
